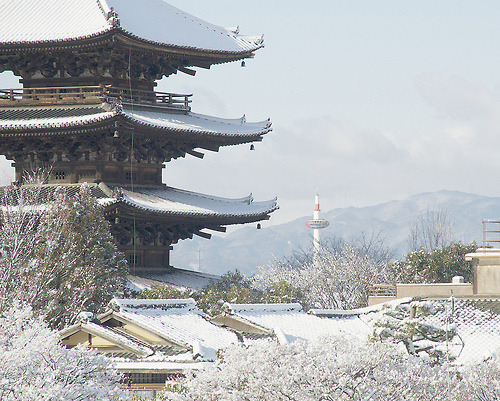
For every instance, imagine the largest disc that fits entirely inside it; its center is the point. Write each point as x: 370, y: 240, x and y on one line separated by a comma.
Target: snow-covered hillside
x: 246, y: 248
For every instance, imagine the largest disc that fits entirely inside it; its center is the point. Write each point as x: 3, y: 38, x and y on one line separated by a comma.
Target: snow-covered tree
x: 405, y: 323
x: 331, y: 369
x: 35, y: 367
x: 57, y: 253
x: 339, y: 277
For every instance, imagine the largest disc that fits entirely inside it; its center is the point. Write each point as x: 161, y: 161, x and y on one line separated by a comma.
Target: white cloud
x: 458, y: 98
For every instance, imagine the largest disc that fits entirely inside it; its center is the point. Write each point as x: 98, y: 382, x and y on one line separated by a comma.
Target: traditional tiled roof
x: 17, y: 119
x: 289, y: 322
x: 159, y: 366
x: 150, y: 21
x: 477, y: 321
x: 172, y: 201
x: 175, y: 277
x: 178, y: 320
x: 168, y: 201
x: 197, y: 123
x: 127, y: 346
x: 13, y: 120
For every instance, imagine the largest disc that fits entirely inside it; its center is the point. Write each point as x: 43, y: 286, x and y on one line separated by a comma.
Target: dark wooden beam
x: 187, y: 71
x: 194, y: 153
x: 217, y: 228
x: 202, y: 234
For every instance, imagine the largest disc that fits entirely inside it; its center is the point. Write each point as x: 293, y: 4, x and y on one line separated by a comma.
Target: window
x: 134, y: 259
x: 87, y: 173
x: 59, y: 175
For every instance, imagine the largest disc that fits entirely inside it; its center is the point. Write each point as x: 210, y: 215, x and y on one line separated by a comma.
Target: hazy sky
x: 370, y: 100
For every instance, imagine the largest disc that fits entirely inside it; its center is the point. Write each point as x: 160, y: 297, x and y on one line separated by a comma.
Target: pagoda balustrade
x: 92, y: 94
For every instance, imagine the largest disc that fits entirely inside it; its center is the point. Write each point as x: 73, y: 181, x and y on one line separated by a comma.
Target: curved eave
x: 178, y: 214
x: 85, y: 41
x: 57, y: 126
x: 171, y: 203
x: 118, y: 35
x: 130, y: 39
x: 230, y: 131
x: 262, y: 128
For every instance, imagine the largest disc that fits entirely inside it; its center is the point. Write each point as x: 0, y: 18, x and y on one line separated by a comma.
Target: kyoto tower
x: 316, y: 223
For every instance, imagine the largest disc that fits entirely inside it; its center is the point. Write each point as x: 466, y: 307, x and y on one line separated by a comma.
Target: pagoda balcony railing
x: 92, y: 94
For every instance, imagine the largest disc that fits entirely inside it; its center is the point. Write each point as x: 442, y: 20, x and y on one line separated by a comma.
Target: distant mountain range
x: 246, y: 248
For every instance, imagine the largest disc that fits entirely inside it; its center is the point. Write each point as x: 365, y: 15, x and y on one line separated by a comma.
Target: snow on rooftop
x: 289, y: 320
x: 38, y: 21
x: 49, y: 20
x: 478, y: 326
x: 116, y: 337
x: 176, y: 277
x: 45, y: 118
x: 176, y: 201
x: 266, y: 308
x: 66, y: 116
x: 158, y: 21
x: 160, y: 366
x: 197, y: 123
x: 179, y: 320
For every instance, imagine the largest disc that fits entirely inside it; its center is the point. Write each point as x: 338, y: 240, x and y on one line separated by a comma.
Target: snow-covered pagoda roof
x: 194, y: 128
x: 171, y: 204
x: 56, y: 117
x: 174, y: 276
x: 152, y: 22
x: 172, y: 201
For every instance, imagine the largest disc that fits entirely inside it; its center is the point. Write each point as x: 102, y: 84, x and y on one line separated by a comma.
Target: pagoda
x: 87, y: 112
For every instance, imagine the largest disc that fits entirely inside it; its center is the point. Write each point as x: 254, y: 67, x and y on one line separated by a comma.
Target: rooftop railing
x: 491, y: 233
x: 383, y: 290
x: 92, y: 94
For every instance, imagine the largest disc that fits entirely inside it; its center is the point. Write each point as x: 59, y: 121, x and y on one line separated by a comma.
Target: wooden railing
x: 92, y: 94
x: 162, y: 99
x: 383, y: 290
x: 50, y: 95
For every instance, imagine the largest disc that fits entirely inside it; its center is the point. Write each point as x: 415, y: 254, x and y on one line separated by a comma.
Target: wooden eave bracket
x: 194, y: 153
x: 202, y: 234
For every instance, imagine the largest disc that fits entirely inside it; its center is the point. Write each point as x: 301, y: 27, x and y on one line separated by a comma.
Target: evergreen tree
x: 437, y: 266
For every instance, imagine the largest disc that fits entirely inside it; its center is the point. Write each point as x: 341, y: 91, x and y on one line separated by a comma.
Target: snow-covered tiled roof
x: 17, y: 119
x: 103, y: 332
x: 159, y: 366
x: 292, y: 322
x: 153, y: 21
x: 47, y: 20
x: 167, y: 200
x: 478, y: 326
x: 197, y: 123
x: 20, y: 119
x: 179, y: 320
x: 175, y: 277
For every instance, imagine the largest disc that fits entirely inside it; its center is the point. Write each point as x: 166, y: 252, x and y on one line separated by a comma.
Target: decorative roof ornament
x: 235, y: 30
x: 112, y: 17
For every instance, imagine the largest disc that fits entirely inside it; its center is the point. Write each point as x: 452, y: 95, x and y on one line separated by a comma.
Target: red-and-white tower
x: 316, y: 223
